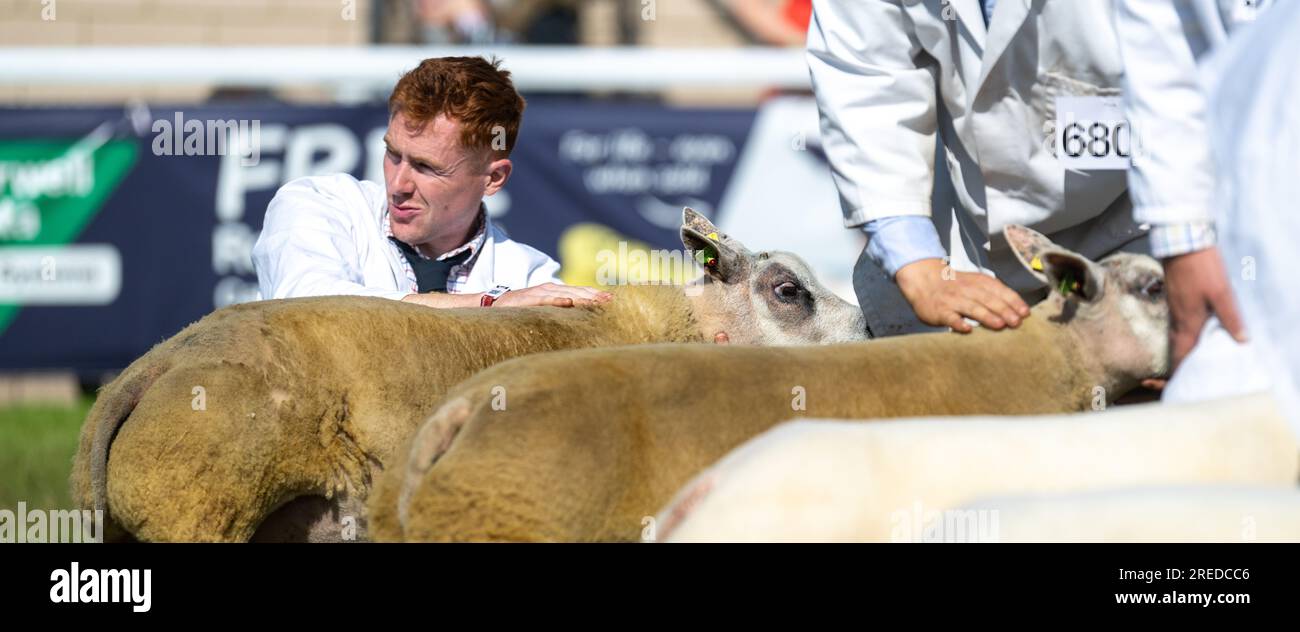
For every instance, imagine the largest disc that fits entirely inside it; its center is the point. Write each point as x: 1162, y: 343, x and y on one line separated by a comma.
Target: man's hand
x: 946, y: 297
x: 554, y: 295
x: 1197, y: 286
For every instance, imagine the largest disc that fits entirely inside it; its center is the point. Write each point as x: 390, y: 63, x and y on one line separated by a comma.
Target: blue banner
x: 120, y: 227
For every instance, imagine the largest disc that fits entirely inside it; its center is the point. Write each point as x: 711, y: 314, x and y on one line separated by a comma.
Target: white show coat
x: 1163, y: 42
x: 322, y: 236
x: 890, y: 75
x: 1173, y: 178
x: 1254, y: 126
x: 1254, y: 132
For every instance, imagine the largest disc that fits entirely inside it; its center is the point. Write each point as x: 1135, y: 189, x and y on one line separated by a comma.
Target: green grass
x: 37, y: 443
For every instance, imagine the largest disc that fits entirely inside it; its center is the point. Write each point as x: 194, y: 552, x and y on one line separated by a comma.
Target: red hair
x: 471, y: 90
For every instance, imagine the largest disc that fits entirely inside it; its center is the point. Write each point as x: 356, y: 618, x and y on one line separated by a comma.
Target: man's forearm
x: 894, y: 242
x: 443, y: 300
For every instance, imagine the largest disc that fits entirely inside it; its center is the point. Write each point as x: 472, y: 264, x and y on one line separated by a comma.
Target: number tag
x: 1092, y: 133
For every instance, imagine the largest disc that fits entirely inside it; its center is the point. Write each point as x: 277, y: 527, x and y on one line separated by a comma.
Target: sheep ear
x: 722, y: 258
x: 1029, y: 246
x: 1072, y: 274
x: 694, y: 220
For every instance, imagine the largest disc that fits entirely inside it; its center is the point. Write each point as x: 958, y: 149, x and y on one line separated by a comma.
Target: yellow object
x: 1036, y: 264
x: 593, y: 254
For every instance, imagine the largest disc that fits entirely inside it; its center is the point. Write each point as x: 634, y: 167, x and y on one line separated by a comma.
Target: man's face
x: 434, y: 184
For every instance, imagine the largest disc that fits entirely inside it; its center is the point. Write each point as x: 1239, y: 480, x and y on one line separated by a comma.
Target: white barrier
x: 360, y: 69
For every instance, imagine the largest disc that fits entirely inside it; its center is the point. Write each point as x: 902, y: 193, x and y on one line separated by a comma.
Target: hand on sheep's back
x: 554, y: 295
x: 943, y: 297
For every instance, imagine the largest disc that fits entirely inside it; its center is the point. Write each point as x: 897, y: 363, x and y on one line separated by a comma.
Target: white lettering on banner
x: 337, y: 145
x: 72, y: 174
x: 23, y: 181
x: 232, y: 247
x: 1092, y: 133
x: 76, y: 274
x: 20, y: 220
x: 307, y: 150
x: 632, y: 162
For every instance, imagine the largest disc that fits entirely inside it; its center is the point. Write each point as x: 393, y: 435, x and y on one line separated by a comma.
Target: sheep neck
x: 1076, y: 332
x: 649, y: 313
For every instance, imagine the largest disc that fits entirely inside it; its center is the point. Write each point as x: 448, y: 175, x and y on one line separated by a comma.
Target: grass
x: 37, y: 443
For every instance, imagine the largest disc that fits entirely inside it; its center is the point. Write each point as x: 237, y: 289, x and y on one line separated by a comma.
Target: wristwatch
x: 491, y: 296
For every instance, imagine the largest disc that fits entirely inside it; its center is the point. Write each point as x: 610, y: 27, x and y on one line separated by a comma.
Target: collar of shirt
x: 474, y: 244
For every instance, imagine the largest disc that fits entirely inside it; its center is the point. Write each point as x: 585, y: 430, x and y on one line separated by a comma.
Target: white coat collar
x: 971, y: 16
x: 1006, y: 21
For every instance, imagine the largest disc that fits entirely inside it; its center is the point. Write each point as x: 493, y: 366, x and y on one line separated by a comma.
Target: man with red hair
x: 423, y: 237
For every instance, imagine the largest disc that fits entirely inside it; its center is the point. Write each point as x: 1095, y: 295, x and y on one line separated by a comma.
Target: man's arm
x: 546, y: 294
x: 307, y: 248
x: 875, y: 90
x: 1171, y: 180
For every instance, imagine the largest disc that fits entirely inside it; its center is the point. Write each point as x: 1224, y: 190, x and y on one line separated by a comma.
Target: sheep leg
x: 184, y: 469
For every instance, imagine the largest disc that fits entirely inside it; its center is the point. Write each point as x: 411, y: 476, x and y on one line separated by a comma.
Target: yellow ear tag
x: 1036, y: 264
x: 713, y: 236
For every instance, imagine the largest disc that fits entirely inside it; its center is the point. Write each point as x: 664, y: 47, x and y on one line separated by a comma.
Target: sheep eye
x: 787, y: 290
x: 1154, y: 289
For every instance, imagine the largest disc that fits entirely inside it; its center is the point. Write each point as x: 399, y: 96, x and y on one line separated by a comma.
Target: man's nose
x: 400, y: 182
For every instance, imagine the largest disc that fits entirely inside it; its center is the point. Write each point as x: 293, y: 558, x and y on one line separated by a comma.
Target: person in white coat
x: 1254, y: 130
x: 982, y: 82
x: 1172, y: 182
x: 424, y: 237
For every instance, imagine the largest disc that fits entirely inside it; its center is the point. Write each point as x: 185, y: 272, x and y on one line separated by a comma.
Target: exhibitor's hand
x: 1197, y: 286
x: 942, y: 298
x: 554, y: 295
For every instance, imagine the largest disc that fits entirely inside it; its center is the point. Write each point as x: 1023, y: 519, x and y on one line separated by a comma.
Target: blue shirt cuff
x: 894, y: 242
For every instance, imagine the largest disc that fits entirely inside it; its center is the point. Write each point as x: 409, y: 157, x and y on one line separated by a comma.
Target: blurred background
x: 125, y: 217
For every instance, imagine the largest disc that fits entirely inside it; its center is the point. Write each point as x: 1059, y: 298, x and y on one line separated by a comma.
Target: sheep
x: 289, y: 406
x: 589, y: 442
x: 853, y: 480
x: 1219, y: 513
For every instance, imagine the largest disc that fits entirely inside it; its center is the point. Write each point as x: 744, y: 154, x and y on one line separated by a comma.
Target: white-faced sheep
x: 589, y: 442
x: 280, y: 405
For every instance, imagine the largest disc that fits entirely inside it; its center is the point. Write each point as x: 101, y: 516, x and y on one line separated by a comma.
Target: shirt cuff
x: 1171, y: 240
x: 894, y: 242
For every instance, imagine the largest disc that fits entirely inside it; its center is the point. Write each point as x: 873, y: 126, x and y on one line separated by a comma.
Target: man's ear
x: 498, y: 172
x: 1072, y: 274
x: 722, y: 258
x: 1029, y: 245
